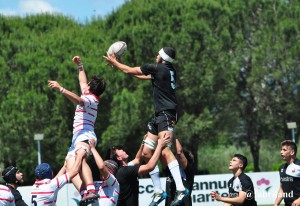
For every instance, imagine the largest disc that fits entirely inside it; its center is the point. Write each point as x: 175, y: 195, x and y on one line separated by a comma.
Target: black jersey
x: 242, y: 183
x: 163, y: 83
x: 129, y: 185
x: 290, y: 181
x: 18, y: 197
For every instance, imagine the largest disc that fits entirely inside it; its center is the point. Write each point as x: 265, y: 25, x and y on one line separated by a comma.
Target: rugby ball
x: 118, y: 48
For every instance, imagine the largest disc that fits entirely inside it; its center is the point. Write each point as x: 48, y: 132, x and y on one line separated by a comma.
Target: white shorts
x: 81, y: 136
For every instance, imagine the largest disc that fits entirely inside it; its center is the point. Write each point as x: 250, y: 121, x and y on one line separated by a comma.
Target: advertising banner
x: 266, y: 186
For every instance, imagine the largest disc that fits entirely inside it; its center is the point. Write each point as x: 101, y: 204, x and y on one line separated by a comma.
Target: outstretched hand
x: 77, y: 60
x: 110, y: 59
x: 54, y: 84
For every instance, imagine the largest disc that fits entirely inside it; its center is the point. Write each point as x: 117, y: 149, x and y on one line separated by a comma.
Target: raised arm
x: 61, y: 171
x: 180, y: 155
x: 99, y: 161
x: 138, y: 157
x: 83, y: 82
x: 77, y: 165
x: 112, y: 61
x: 70, y: 95
x: 144, y: 169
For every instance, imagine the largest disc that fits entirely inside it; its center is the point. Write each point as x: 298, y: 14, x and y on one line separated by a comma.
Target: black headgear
x: 9, y: 174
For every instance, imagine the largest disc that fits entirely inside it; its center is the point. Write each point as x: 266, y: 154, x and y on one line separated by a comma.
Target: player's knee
x: 166, y: 152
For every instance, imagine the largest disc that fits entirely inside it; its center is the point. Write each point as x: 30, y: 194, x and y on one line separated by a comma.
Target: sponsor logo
x: 263, y: 181
x: 286, y: 179
x: 249, y: 195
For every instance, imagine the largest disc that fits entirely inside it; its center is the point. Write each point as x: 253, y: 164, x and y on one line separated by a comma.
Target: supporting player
x: 110, y: 189
x: 83, y: 126
x: 186, y: 162
x: 127, y: 175
x: 163, y: 76
x: 45, y: 189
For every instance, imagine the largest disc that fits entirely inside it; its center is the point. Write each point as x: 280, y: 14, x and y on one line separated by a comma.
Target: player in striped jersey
x: 109, y: 189
x: 6, y: 197
x: 45, y: 189
x: 83, y: 126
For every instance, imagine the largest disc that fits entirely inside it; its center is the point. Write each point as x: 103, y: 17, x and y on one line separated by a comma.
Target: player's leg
x: 82, y: 141
x: 77, y: 182
x: 70, y: 160
x: 86, y: 173
x: 150, y: 140
x: 172, y: 162
x: 166, y: 121
x: 170, y: 184
x: 149, y: 146
x: 150, y: 143
x: 173, y: 165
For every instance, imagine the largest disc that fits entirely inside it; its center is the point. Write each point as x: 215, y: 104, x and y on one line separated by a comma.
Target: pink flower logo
x: 263, y: 181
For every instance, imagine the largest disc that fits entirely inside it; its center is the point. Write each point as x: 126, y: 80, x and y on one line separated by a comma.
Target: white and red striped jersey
x: 108, y: 191
x: 85, y: 116
x: 6, y: 197
x: 44, y: 192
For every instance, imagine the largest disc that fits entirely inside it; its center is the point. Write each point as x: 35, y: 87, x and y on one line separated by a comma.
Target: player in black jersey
x: 241, y: 190
x: 289, y: 172
x: 163, y: 77
x: 14, y: 178
x: 127, y: 175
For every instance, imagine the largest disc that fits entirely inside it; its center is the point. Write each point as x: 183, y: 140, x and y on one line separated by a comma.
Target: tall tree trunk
x: 254, y: 148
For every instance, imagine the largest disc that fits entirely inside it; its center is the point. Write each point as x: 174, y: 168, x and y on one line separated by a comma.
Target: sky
x: 80, y: 10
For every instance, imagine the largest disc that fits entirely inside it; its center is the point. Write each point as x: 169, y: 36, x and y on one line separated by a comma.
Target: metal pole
x: 39, y: 152
x: 293, y: 135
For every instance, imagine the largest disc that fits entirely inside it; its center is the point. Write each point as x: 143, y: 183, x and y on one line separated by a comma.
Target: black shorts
x: 162, y: 121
